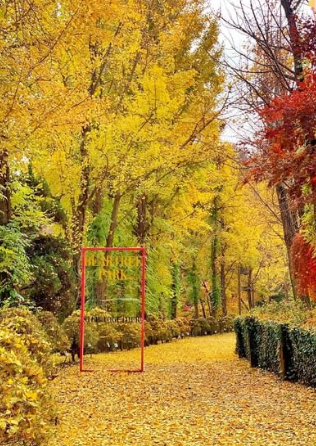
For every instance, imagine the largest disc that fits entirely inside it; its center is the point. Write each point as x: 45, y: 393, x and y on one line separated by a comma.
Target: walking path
x: 193, y: 392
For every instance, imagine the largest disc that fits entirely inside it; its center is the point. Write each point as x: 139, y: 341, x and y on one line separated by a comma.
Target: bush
x: 71, y: 327
x: 150, y: 334
x: 303, y: 354
x: 56, y: 335
x: 130, y: 335
x: 98, y: 315
x: 159, y: 330
x: 108, y: 337
x: 31, y: 332
x: 25, y: 407
x: 226, y: 324
x: 184, y: 326
x: 289, y: 351
x: 51, y: 266
x: 214, y: 325
x: 173, y: 329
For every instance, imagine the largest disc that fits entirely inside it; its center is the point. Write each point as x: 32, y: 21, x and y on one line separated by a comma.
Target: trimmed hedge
x: 288, y: 351
x: 102, y: 334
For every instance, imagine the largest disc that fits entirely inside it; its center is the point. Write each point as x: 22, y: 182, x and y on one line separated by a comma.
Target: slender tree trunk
x: 114, y: 218
x: 239, y: 289
x: 223, y: 288
x: 195, y: 289
x: 142, y: 226
x: 100, y: 288
x: 5, y: 206
x: 175, y: 290
x: 5, y: 195
x: 249, y: 289
x: 79, y: 216
x: 290, y: 229
x: 203, y: 307
x: 215, y: 251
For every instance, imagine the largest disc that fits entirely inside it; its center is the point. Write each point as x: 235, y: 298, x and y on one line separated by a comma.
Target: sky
x: 229, y: 38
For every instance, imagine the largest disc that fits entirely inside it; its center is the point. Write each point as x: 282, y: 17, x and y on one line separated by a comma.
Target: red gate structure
x: 83, y: 301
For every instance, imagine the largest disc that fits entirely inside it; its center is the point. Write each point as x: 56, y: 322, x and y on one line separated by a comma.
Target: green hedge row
x: 286, y: 350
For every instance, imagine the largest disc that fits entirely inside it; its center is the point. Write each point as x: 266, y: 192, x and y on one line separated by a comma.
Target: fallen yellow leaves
x: 193, y: 392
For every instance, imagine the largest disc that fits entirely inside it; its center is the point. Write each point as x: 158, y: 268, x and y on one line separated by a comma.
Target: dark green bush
x: 303, y: 344
x: 286, y: 350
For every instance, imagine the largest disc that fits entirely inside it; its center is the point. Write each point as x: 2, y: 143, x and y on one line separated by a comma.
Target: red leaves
x: 287, y: 149
x: 304, y: 264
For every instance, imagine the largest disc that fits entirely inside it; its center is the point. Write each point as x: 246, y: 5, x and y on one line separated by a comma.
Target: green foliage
x: 53, y: 286
x: 15, y: 270
x: 303, y: 355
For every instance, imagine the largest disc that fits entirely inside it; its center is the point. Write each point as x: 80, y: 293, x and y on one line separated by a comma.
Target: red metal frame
x: 83, y: 301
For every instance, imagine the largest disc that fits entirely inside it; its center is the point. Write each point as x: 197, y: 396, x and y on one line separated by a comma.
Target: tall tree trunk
x: 100, y: 289
x: 5, y: 195
x: 142, y: 225
x: 102, y: 286
x: 249, y: 289
x: 175, y: 290
x: 215, y: 251
x: 239, y: 289
x: 5, y: 206
x: 202, y: 307
x: 223, y: 285
x: 195, y: 289
x: 114, y: 217
x: 79, y: 217
x: 290, y: 228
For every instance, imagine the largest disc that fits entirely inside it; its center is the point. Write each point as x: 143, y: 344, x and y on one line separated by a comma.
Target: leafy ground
x: 193, y: 392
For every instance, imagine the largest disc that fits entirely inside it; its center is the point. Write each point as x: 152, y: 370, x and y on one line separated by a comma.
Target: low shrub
x: 31, y: 332
x: 130, y: 335
x: 71, y: 327
x: 225, y: 324
x: 56, y: 335
x: 184, y: 326
x: 26, y: 412
x: 98, y: 315
x: 150, y: 334
x: 109, y: 338
x: 173, y: 328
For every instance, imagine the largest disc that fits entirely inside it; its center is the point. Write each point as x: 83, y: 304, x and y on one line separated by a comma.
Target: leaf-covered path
x: 193, y: 392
